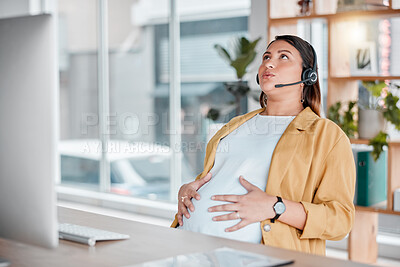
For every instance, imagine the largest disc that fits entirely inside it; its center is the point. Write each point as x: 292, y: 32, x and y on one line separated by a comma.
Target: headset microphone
x: 289, y: 84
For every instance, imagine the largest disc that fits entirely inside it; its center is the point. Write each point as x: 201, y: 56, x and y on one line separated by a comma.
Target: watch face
x: 279, y: 208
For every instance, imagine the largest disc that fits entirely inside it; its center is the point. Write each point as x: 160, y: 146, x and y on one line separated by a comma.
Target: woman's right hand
x: 185, y: 195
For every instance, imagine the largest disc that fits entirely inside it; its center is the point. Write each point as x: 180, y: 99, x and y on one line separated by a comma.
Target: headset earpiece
x: 309, y: 75
x: 257, y: 79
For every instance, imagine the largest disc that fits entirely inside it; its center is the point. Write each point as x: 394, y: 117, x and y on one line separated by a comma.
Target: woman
x: 304, y: 163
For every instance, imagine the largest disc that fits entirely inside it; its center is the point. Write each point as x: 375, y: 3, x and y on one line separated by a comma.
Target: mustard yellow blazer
x: 312, y: 164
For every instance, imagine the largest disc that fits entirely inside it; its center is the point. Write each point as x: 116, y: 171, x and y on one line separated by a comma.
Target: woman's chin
x: 268, y: 89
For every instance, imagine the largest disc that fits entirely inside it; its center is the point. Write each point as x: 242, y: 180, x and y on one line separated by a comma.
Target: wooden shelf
x: 366, y: 141
x: 365, y: 14
x: 295, y: 19
x: 359, y: 141
x: 365, y: 78
x: 343, y: 15
x: 378, y: 210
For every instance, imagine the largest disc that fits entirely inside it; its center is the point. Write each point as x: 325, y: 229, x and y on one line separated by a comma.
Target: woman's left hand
x: 255, y: 206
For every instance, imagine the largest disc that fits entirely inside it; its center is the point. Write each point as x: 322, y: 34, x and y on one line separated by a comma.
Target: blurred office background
x: 138, y: 121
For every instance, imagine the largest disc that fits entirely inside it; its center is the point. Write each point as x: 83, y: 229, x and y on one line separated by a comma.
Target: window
x: 138, y: 154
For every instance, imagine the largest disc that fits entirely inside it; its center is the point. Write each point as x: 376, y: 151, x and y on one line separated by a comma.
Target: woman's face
x: 281, y: 64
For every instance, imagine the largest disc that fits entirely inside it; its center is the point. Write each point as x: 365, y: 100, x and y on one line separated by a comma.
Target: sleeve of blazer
x: 331, y: 213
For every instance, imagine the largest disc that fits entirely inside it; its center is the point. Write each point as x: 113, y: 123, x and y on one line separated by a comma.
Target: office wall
x: 12, y: 8
x: 15, y: 8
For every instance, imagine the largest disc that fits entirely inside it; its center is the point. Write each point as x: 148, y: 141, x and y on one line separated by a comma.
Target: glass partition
x: 79, y: 120
x: 139, y: 152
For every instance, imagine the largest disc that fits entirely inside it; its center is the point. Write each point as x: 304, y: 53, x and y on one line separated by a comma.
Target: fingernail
x: 214, y: 219
x: 213, y: 197
x: 209, y: 209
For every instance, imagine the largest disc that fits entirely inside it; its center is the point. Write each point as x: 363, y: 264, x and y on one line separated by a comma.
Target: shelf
x: 364, y: 78
x: 295, y: 19
x: 365, y: 14
x: 343, y: 40
x: 377, y: 210
x: 337, y: 16
x: 359, y: 141
x: 366, y: 142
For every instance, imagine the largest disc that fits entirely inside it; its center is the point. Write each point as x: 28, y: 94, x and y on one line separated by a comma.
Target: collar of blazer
x: 286, y: 148
x: 300, y: 123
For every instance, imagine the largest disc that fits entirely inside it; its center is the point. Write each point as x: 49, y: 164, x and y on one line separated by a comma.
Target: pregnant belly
x: 201, y: 219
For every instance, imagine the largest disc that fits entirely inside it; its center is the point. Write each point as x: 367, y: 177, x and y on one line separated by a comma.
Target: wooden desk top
x: 147, y: 243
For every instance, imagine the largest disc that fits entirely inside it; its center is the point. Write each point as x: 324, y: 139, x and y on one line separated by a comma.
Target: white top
x: 246, y: 151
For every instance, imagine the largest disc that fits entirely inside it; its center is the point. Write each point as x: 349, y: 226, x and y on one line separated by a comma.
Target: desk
x: 147, y: 242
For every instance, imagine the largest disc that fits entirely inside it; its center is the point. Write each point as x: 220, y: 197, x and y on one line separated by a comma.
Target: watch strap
x: 276, y: 214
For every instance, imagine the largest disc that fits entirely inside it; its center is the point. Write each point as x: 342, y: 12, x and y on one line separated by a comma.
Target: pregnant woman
x: 285, y: 176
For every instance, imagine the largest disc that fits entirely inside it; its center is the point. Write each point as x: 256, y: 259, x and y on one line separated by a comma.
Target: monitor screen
x: 29, y: 130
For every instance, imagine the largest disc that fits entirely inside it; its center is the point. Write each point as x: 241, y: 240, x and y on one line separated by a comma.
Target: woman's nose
x: 270, y: 64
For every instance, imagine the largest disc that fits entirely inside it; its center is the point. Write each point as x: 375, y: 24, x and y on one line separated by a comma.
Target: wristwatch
x: 279, y: 208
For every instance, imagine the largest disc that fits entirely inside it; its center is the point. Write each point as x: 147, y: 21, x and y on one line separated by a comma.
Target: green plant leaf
x: 374, y: 87
x: 252, y: 45
x: 242, y: 46
x: 349, y: 125
x: 241, y: 63
x: 345, y: 120
x: 392, y: 112
x: 377, y: 143
x: 223, y: 53
x: 333, y: 113
x: 243, y: 54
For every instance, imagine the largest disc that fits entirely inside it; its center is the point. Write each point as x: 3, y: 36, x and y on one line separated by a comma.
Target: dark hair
x: 311, y: 93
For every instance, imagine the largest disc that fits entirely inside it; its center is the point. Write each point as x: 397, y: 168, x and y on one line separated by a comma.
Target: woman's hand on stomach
x: 255, y: 206
x: 185, y: 195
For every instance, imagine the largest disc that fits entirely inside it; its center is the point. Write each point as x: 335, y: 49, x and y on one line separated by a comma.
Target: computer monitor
x: 29, y: 130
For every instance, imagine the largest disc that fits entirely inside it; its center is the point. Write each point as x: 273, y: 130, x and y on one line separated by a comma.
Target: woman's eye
x: 284, y: 56
x: 266, y: 57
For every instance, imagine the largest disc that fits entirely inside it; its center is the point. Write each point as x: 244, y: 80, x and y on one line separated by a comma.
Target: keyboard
x: 86, y: 235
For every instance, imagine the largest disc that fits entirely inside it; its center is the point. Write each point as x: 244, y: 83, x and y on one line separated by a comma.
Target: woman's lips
x: 268, y: 75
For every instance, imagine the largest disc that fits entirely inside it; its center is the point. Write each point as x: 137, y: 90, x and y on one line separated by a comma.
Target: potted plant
x: 375, y: 105
x: 370, y: 115
x: 383, y: 103
x: 241, y: 56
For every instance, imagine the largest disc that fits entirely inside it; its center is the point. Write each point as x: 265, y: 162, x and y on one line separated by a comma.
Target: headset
x: 309, y: 75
